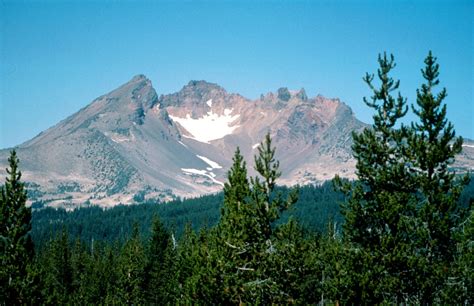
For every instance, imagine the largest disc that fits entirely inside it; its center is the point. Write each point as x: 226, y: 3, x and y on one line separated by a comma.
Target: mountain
x: 131, y: 144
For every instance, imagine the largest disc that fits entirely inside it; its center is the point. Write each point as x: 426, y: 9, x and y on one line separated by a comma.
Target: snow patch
x: 209, y: 103
x: 210, y: 127
x: 194, y: 171
x: 209, y: 175
x: 469, y: 146
x: 255, y: 146
x: 181, y: 143
x: 211, y: 163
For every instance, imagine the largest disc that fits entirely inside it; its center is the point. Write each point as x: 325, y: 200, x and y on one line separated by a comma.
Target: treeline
x: 315, y: 208
x: 405, y: 239
x: 316, y: 205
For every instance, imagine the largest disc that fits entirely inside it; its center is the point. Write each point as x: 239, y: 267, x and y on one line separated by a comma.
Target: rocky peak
x: 143, y: 94
x: 302, y: 95
x: 203, y: 89
x: 135, y: 89
x: 284, y: 94
x: 129, y: 102
x: 139, y: 77
x: 202, y: 84
x: 195, y: 93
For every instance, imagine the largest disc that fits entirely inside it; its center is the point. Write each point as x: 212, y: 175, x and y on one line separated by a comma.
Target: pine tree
x: 289, y: 264
x: 246, y: 229
x: 79, y: 265
x: 58, y: 272
x: 15, y: 243
x: 268, y: 205
x: 160, y: 280
x: 131, y: 271
x: 379, y: 213
x: 459, y: 286
x: 93, y: 273
x: 209, y: 262
x: 433, y: 148
x: 403, y: 211
x: 236, y: 231
x: 332, y: 275
x: 236, y: 196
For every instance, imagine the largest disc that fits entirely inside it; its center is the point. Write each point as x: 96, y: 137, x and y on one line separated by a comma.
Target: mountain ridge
x: 133, y: 143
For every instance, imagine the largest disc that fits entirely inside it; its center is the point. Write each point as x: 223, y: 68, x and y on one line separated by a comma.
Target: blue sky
x: 57, y: 56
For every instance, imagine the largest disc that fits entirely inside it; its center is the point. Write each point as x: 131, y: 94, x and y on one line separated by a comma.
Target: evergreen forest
x: 401, y: 233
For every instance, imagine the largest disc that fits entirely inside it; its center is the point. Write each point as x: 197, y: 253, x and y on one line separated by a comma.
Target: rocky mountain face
x: 131, y: 144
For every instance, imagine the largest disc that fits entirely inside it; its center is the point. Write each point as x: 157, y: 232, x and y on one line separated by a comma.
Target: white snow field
x: 210, y: 175
x: 210, y: 127
x: 211, y: 163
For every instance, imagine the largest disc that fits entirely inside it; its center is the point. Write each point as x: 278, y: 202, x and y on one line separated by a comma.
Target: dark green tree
x: 236, y: 232
x: 241, y: 260
x: 402, y: 213
x: 331, y: 273
x: 236, y: 196
x: 160, y: 280
x: 379, y: 214
x: 16, y: 246
x: 94, y: 273
x: 459, y: 286
x: 434, y: 147
x: 246, y: 230
x: 58, y: 275
x: 288, y: 264
x: 130, y: 286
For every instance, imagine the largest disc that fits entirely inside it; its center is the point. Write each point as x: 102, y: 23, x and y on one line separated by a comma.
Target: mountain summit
x: 130, y: 144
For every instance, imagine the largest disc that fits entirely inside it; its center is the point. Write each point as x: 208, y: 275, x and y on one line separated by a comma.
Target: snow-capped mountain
x: 130, y: 144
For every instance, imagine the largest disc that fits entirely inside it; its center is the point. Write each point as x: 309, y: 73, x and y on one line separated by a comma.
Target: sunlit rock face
x: 132, y: 144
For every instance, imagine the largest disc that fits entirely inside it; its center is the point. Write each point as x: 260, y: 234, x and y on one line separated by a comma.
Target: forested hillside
x: 315, y: 207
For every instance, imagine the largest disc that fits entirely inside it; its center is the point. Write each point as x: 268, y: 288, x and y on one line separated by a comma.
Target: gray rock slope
x: 130, y: 144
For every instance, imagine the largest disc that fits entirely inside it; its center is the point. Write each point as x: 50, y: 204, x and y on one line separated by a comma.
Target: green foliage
x: 116, y: 224
x: 16, y: 246
x: 315, y: 206
x: 243, y: 260
x: 433, y: 147
x: 381, y: 205
x: 57, y: 268
x: 160, y: 278
x: 130, y: 272
x: 246, y: 257
x: 401, y: 213
x: 460, y: 285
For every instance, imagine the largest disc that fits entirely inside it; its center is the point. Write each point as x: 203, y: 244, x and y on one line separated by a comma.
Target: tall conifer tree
x: 246, y: 229
x: 380, y: 208
x: 16, y: 245
x: 402, y: 213
x: 434, y: 146
x: 160, y: 281
x: 131, y: 271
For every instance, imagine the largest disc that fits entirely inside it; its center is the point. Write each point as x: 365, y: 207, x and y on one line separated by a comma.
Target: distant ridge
x: 132, y: 144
